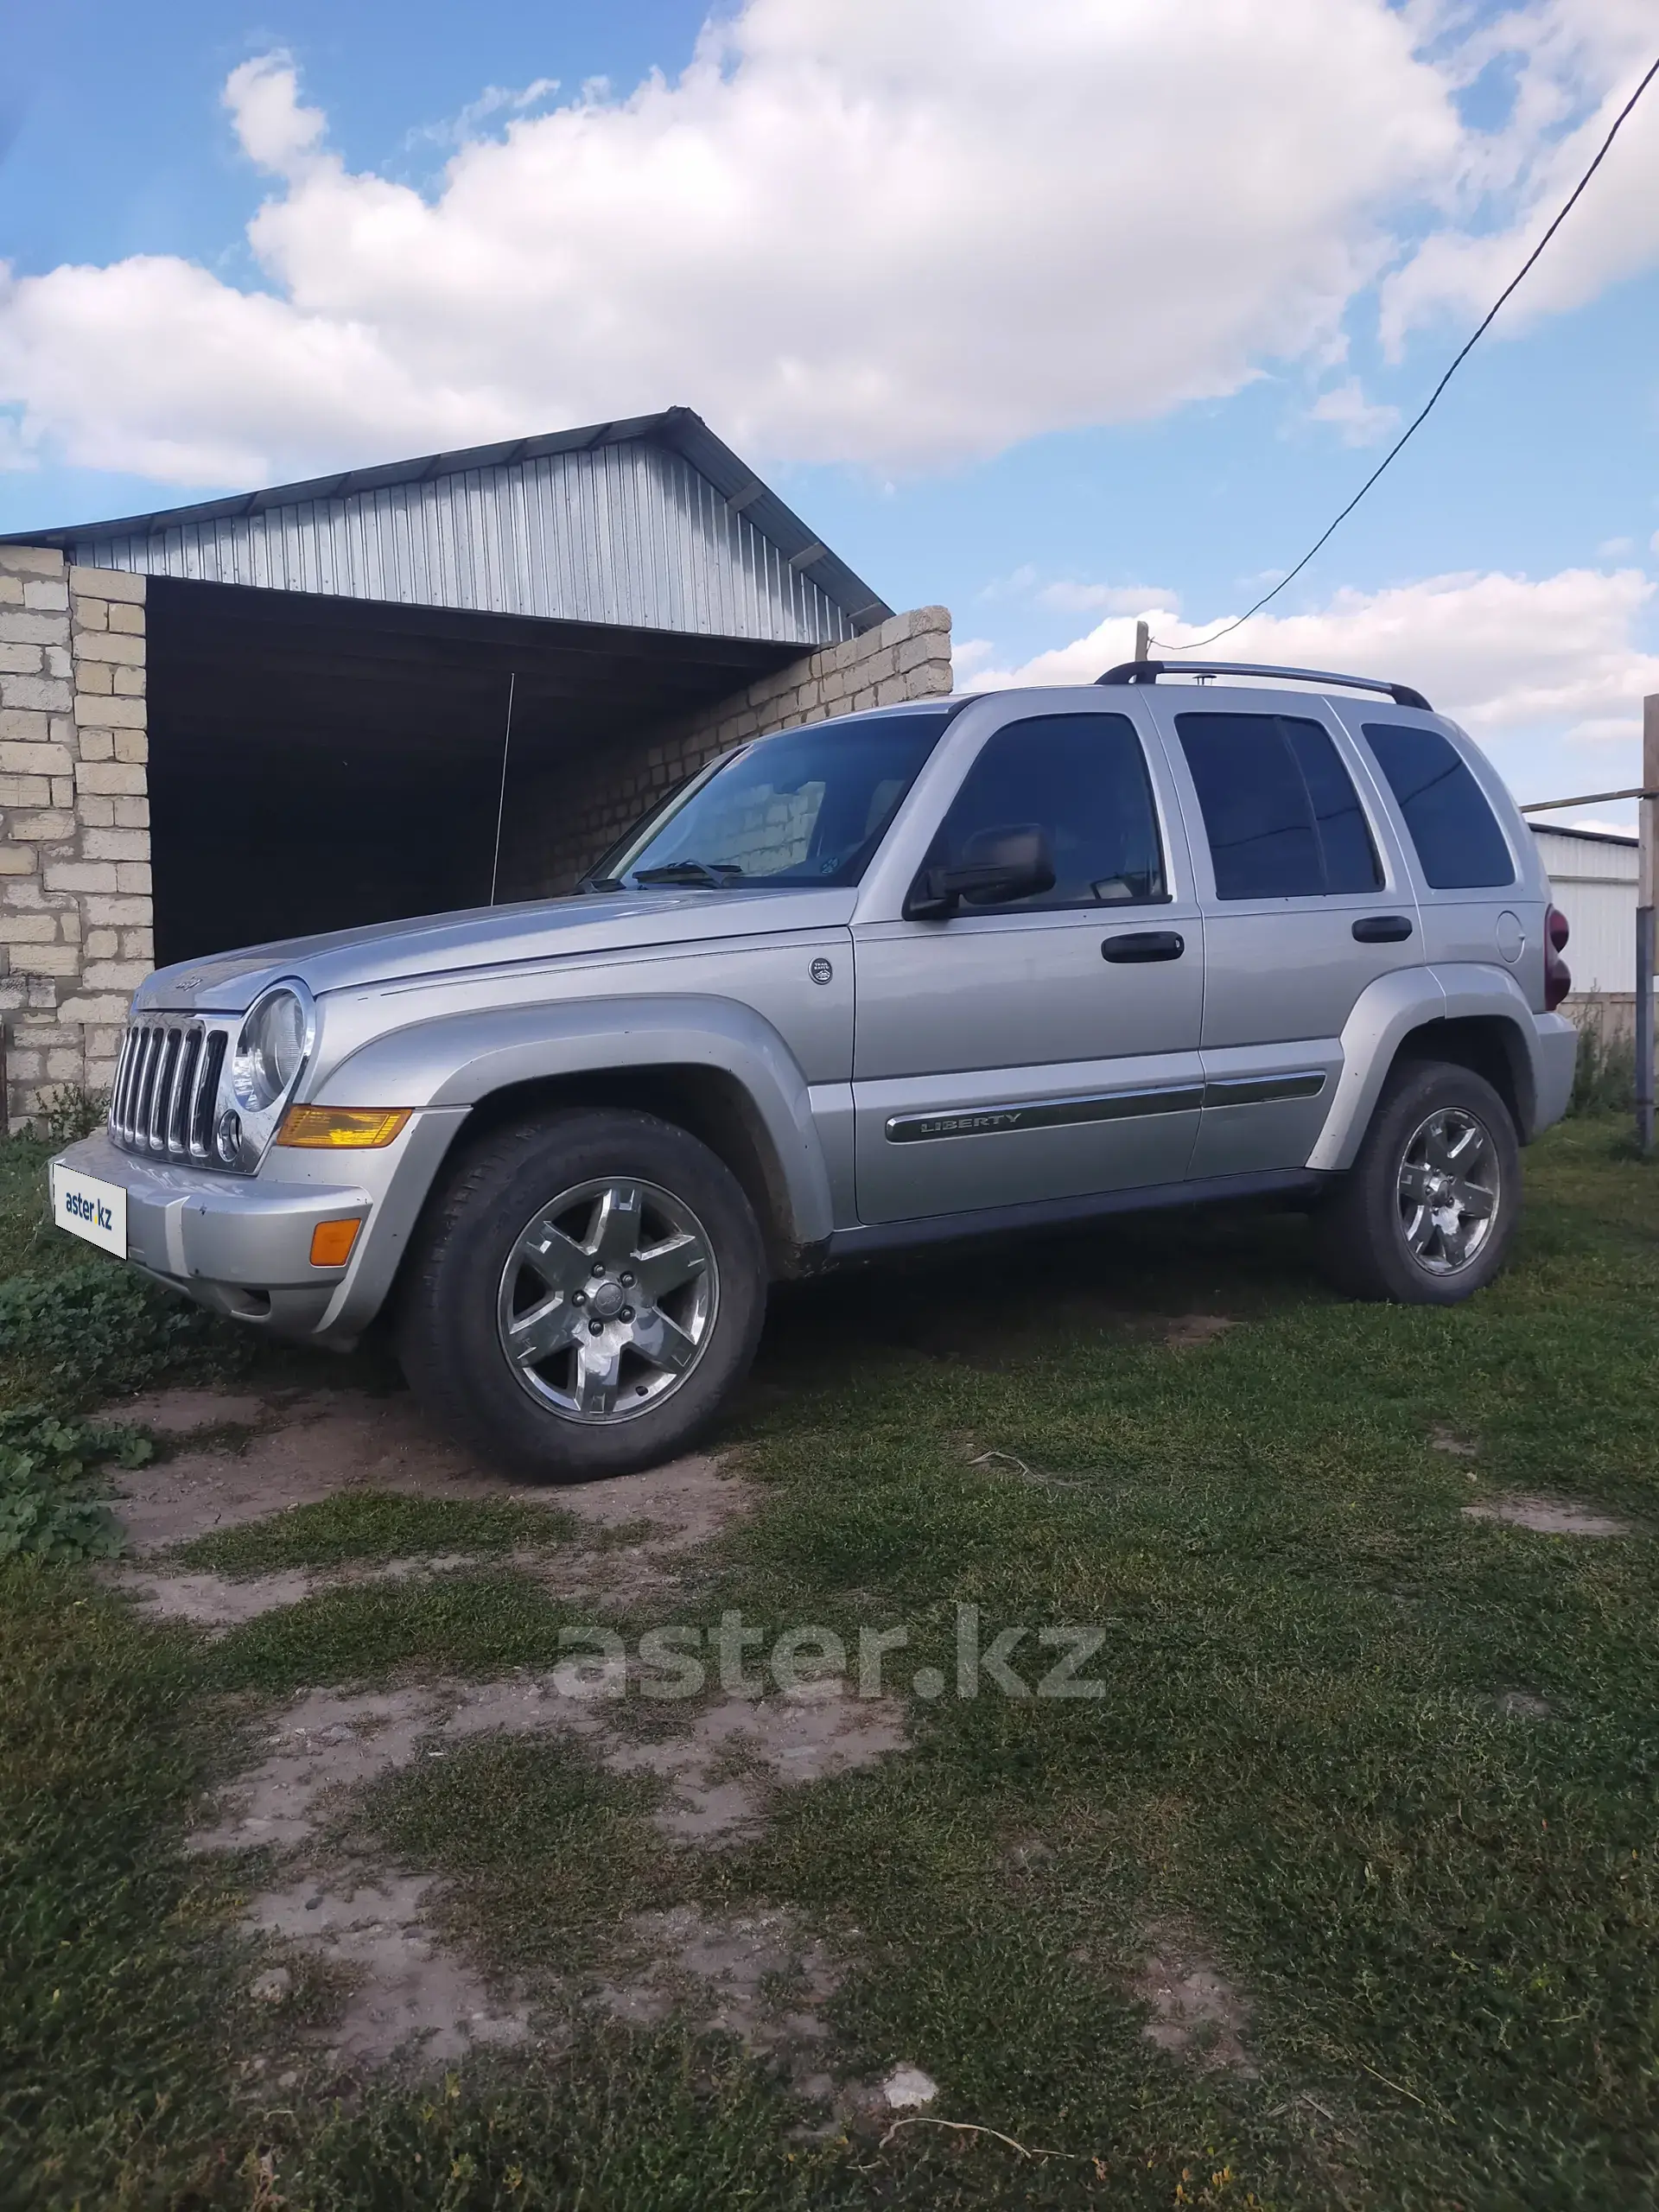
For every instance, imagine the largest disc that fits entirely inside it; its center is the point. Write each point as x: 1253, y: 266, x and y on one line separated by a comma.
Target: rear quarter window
x: 1458, y: 843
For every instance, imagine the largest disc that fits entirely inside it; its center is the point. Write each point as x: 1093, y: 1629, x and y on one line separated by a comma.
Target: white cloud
x: 1360, y: 420
x: 968, y: 654
x: 1615, y: 549
x: 1505, y: 655
x: 1579, y: 62
x: 276, y: 133
x: 1109, y: 599
x: 850, y: 230
x: 495, y: 101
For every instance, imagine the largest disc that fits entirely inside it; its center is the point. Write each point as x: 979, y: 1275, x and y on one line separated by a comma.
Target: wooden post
x: 1644, y: 933
x: 1142, y: 640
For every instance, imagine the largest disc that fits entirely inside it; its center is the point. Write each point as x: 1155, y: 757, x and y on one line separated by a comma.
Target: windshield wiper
x: 716, y: 874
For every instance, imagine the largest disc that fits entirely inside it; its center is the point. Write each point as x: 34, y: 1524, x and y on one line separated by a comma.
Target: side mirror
x: 1011, y: 861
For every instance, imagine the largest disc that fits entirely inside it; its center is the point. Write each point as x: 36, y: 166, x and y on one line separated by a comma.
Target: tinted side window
x: 1082, y: 778
x: 1452, y: 825
x: 1280, y: 810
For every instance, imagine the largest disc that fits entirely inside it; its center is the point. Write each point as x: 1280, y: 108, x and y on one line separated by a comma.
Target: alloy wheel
x: 607, y: 1300
x: 1449, y: 1190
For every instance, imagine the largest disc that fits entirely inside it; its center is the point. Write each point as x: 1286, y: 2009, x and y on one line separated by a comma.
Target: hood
x: 490, y: 937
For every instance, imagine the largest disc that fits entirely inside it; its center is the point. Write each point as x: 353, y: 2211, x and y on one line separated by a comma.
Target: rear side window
x: 1280, y: 810
x: 1452, y: 823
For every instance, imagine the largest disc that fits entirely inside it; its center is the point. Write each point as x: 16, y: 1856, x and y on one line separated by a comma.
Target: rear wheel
x: 589, y: 1290
x: 1427, y: 1213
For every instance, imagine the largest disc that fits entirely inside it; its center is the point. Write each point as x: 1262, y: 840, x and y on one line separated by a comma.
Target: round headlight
x: 270, y: 1050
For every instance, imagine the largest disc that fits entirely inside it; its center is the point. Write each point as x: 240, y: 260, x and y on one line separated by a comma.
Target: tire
x: 1381, y: 1235
x: 586, y: 1293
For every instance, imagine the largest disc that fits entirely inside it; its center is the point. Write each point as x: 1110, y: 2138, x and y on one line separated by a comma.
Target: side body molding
x: 1386, y: 1012
x: 460, y: 1059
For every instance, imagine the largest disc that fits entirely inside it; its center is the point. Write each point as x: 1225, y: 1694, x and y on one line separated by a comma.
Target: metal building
x: 1593, y: 874
x: 337, y: 676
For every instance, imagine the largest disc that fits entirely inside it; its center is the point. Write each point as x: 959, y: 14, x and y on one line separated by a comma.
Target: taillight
x: 1558, y: 977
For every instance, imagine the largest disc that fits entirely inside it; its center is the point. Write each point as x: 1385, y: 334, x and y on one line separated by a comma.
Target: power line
x: 1412, y: 428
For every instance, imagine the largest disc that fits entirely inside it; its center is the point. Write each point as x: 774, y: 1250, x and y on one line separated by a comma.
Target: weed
x: 96, y: 1328
x: 72, y: 1112
x: 45, y: 1466
x: 1604, y: 1075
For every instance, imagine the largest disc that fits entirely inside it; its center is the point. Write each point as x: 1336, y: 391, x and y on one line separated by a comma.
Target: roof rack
x: 1148, y: 671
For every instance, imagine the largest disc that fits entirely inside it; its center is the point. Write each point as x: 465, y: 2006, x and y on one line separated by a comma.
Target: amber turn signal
x: 341, y: 1128
x: 332, y: 1243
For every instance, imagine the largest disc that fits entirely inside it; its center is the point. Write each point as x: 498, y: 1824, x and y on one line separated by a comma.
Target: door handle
x: 1144, y: 944
x: 1383, y: 929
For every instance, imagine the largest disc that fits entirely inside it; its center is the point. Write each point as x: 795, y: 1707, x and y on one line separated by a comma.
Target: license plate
x: 88, y: 1207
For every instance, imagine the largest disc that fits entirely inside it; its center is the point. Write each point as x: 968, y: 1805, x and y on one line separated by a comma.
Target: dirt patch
x: 186, y: 1412
x: 725, y: 1765
x: 719, y: 1770
x: 407, y: 1993
x: 1195, y: 2012
x: 219, y: 1603
x: 755, y: 1975
x: 410, y: 1994
x: 1549, y: 1516
x: 1188, y: 1329
x: 308, y: 1446
x: 305, y: 1448
x: 1520, y: 1704
x: 1458, y: 1447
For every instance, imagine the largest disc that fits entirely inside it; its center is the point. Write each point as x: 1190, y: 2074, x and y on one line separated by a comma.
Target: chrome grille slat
x: 123, y: 1085
x: 149, y: 1051
x: 200, y: 1132
x: 160, y: 1090
x: 184, y: 1068
x: 166, y: 1088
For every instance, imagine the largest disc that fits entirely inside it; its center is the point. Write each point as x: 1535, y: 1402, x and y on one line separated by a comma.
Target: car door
x: 1307, y: 901
x: 1046, y: 1047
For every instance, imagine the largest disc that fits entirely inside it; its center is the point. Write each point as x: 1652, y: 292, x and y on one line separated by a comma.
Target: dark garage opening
x: 318, y: 763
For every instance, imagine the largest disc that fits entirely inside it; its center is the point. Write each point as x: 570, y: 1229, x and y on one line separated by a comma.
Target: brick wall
x: 75, y: 916
x: 561, y: 827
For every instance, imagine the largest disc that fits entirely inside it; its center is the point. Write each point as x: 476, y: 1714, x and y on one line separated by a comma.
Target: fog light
x: 227, y: 1138
x: 332, y: 1243
x: 341, y: 1128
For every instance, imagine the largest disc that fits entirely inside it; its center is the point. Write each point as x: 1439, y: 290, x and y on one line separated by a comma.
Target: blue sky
x: 1057, y: 315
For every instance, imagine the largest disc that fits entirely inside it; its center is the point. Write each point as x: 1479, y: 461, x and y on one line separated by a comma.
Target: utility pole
x: 1649, y: 813
x: 1143, y: 646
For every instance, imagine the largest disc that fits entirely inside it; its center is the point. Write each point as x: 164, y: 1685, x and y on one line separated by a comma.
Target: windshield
x: 808, y: 806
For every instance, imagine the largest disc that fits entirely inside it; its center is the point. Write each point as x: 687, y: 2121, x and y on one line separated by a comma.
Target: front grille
x: 166, y: 1083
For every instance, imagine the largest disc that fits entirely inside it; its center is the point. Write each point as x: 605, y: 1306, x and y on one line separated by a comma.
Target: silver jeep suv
x: 974, y: 964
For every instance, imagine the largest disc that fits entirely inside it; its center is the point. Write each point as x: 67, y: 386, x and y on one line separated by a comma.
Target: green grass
x: 1441, y: 1915
x: 483, y: 1621
x: 117, y: 1987
x: 366, y: 1526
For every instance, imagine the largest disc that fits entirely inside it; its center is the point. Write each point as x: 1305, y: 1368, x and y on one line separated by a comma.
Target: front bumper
x: 241, y: 1245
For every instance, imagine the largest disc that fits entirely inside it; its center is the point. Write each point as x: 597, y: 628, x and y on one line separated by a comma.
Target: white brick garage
x: 289, y: 712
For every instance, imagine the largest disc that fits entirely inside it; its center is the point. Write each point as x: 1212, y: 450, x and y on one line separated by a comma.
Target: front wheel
x: 588, y: 1292
x: 1427, y: 1213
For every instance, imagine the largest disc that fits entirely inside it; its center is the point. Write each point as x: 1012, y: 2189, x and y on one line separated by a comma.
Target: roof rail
x: 1148, y: 671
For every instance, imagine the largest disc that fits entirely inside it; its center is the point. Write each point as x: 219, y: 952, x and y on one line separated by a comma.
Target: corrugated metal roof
x: 651, y: 522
